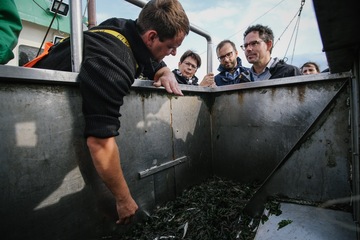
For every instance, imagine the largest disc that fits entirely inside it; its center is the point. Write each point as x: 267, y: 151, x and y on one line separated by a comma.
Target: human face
x: 159, y: 49
x: 188, y: 67
x: 257, y: 51
x: 227, y: 56
x: 309, y: 70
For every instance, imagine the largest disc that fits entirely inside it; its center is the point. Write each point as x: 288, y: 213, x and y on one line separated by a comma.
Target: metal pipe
x: 194, y: 29
x: 209, y: 45
x: 76, y: 35
x: 138, y: 3
x: 92, y: 13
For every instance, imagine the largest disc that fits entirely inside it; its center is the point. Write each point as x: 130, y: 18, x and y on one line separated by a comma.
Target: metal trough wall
x: 49, y: 189
x: 298, y: 125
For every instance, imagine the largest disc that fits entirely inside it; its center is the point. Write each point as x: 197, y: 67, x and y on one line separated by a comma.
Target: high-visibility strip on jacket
x: 48, y: 45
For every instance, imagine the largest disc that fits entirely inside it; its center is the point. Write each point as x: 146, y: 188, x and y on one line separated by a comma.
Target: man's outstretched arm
x: 106, y: 158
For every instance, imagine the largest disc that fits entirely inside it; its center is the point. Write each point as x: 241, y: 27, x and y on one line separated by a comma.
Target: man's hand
x: 126, y: 209
x: 164, y: 77
x: 208, y: 81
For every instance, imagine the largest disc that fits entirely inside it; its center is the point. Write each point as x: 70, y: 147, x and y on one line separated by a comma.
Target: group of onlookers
x: 258, y: 45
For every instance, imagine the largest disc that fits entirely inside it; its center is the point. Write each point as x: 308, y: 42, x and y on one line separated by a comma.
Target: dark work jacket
x: 244, y: 76
x: 183, y: 80
x: 107, y: 72
x: 104, y: 44
x: 281, y: 69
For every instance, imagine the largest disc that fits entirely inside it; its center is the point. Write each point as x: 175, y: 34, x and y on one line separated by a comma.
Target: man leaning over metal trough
x: 115, y: 53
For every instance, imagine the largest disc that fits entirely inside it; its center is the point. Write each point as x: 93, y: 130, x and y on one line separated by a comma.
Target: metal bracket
x: 161, y: 167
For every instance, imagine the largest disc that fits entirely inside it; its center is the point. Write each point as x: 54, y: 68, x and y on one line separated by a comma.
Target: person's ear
x: 269, y: 45
x: 153, y: 35
x: 179, y: 65
x: 149, y: 37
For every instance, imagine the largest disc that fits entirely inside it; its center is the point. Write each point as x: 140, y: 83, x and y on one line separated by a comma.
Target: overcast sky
x: 226, y: 19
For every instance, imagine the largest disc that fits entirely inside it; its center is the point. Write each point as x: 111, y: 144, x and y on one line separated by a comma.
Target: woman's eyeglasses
x: 189, y: 64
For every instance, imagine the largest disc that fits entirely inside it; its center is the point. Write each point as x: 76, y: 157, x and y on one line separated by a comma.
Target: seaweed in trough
x: 211, y: 210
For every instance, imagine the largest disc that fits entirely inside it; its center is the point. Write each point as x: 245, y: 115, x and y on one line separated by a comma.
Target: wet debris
x: 284, y: 223
x: 212, y: 210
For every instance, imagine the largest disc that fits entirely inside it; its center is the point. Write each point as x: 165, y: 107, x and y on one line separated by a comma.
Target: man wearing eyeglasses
x: 258, y: 45
x: 230, y: 68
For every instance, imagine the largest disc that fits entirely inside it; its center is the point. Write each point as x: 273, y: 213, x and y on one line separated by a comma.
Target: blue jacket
x: 222, y: 79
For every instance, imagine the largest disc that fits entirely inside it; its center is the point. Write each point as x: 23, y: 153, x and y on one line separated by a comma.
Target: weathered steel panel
x: 47, y: 175
x: 255, y: 128
x: 319, y: 169
x: 191, y: 124
x: 51, y: 190
x: 42, y: 188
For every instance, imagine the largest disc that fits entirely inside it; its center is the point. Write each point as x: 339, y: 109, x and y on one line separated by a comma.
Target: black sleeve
x: 103, y: 85
x: 150, y: 68
x: 106, y: 75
